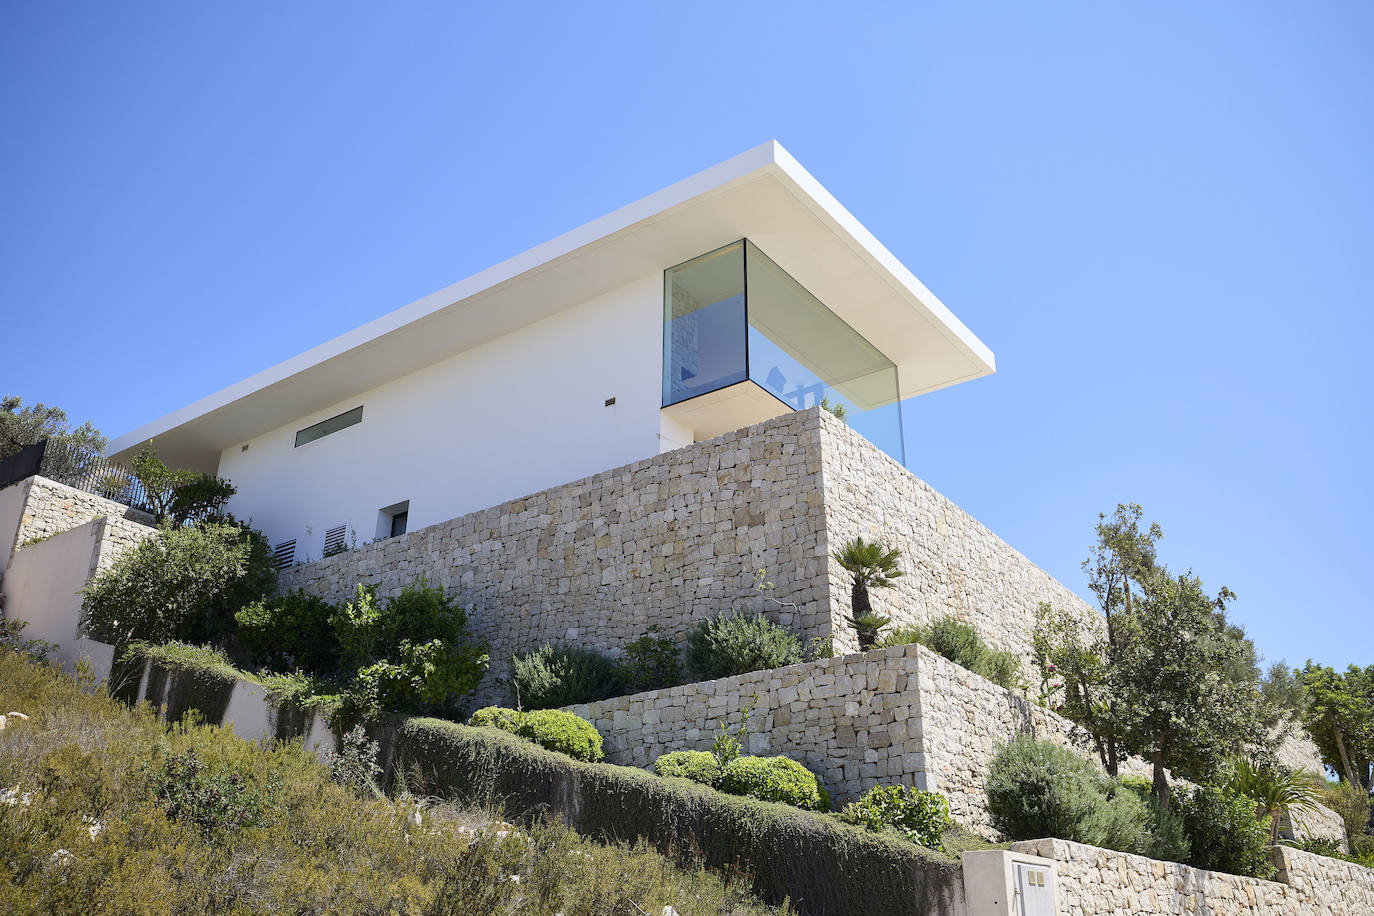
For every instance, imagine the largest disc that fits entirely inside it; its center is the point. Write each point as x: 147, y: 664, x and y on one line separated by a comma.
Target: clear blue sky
x: 1161, y: 219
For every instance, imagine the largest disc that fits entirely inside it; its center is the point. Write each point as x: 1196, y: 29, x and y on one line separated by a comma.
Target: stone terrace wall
x: 952, y: 563
x: 899, y: 715
x: 851, y: 720
x: 51, y: 508
x: 1100, y: 882
x: 964, y: 719
x: 114, y: 537
x: 668, y: 541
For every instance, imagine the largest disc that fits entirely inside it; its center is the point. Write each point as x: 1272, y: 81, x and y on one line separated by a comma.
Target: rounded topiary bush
x: 775, y: 779
x: 698, y: 766
x: 737, y: 643
x: 561, y: 731
x: 495, y: 717
x: 558, y: 675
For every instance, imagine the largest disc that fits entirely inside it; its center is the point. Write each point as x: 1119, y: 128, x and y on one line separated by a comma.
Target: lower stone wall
x: 1101, y: 882
x: 852, y: 720
x: 51, y: 508
x: 114, y: 537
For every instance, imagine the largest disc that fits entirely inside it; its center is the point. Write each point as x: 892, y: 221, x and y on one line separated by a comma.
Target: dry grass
x: 83, y: 760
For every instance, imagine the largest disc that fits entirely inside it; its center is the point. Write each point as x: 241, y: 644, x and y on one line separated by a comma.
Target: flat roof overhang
x: 763, y: 195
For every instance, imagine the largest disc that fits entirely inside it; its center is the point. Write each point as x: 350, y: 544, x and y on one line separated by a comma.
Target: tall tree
x: 22, y: 426
x: 1185, y: 679
x: 1340, y: 718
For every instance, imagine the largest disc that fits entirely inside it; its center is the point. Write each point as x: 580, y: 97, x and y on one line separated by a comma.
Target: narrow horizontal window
x: 332, y: 425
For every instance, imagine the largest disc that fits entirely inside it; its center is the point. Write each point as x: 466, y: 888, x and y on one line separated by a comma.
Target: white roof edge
x: 766, y: 156
x: 948, y: 323
x: 714, y: 178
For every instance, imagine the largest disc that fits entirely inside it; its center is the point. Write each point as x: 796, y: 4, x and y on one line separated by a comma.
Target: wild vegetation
x: 22, y: 426
x: 107, y: 810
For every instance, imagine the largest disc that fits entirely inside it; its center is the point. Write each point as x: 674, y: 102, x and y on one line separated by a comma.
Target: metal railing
x: 76, y: 467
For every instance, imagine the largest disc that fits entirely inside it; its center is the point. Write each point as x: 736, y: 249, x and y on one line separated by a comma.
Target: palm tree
x: 1276, y: 794
x: 872, y: 566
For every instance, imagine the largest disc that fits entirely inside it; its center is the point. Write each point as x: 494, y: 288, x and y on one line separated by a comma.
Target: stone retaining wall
x: 51, y: 508
x: 1101, y: 882
x: 952, y: 563
x: 898, y: 715
x: 852, y: 720
x: 678, y: 537
x: 664, y: 541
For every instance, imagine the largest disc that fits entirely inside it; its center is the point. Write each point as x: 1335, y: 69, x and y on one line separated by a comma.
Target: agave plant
x: 1276, y: 794
x: 872, y: 566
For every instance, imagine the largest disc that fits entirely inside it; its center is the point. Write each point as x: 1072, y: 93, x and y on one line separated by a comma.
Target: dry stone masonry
x: 1100, y: 882
x: 51, y: 508
x: 678, y: 537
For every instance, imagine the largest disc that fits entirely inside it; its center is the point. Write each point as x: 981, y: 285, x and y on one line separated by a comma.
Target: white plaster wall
x: 11, y: 511
x: 511, y: 417
x: 43, y: 584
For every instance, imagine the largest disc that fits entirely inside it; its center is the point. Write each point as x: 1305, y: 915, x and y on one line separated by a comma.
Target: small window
x: 394, y: 520
x: 284, y: 554
x: 332, y: 425
x: 335, y: 540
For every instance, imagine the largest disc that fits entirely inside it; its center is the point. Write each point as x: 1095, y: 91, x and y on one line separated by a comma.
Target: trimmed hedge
x: 825, y: 867
x: 554, y: 729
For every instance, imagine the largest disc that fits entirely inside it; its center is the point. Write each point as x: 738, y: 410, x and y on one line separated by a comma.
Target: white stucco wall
x: 514, y: 416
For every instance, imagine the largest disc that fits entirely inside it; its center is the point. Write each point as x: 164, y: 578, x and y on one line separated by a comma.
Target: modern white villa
x: 734, y: 296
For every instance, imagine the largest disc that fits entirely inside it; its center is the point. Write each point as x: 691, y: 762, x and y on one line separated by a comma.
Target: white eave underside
x: 763, y: 195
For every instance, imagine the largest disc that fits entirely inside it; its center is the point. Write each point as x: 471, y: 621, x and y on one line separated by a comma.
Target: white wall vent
x: 284, y: 554
x: 335, y: 540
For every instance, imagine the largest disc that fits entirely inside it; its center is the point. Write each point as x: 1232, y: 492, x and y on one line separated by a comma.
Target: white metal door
x: 1034, y: 890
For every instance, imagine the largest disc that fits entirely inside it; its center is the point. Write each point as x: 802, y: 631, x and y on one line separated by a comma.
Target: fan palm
x: 1277, y: 795
x: 872, y: 566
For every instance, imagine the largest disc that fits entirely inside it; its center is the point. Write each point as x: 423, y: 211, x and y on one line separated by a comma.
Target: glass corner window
x: 734, y: 315
x: 704, y: 328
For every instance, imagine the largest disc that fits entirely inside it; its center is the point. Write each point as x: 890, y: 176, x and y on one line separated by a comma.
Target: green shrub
x: 775, y: 779
x: 960, y: 643
x: 698, y: 766
x: 829, y: 866
x: 213, y: 800
x: 496, y: 717
x: 290, y: 632
x: 562, y: 732
x: 737, y: 643
x: 1224, y: 834
x: 319, y: 847
x: 1362, y: 848
x: 184, y: 584
x: 559, y: 675
x: 652, y: 661
x: 407, y: 653
x: 922, y: 817
x: 1037, y: 789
